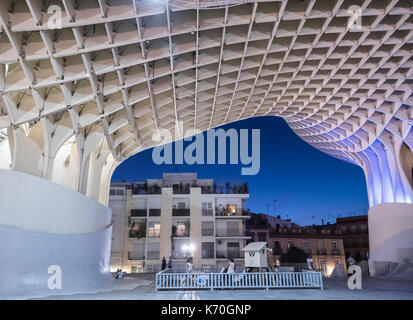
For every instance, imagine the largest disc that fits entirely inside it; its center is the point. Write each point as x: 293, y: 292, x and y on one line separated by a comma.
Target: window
x: 153, y: 250
x: 334, y: 245
x: 233, y: 250
x: 363, y: 227
x: 231, y: 209
x: 181, y: 205
x: 320, y: 244
x: 337, y: 261
x: 137, y: 251
x: 353, y: 228
x: 207, y: 250
x: 207, y: 228
x: 154, y: 229
x: 181, y: 229
x: 207, y: 209
x: 262, y: 236
x: 305, y: 244
x: 290, y: 243
x: 233, y: 229
x: 323, y: 267
x: 277, y: 247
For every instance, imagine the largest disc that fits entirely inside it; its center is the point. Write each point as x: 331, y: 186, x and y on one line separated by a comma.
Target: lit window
x: 231, y: 209
x: 180, y: 229
x: 154, y: 230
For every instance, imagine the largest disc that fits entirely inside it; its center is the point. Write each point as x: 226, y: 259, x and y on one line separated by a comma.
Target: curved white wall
x: 391, y: 240
x: 35, y: 204
x: 27, y: 255
x: 43, y: 224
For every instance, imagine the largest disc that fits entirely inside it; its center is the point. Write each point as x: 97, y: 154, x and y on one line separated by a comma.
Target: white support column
x: 390, y: 240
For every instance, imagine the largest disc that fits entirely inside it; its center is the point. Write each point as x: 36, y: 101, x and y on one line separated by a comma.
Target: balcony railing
x: 207, y: 232
x: 181, y: 234
x: 235, y: 254
x: 321, y: 252
x: 307, y: 251
x: 180, y: 212
x: 136, y: 256
x: 138, y: 213
x: 207, y: 212
x: 153, y: 255
x: 336, y: 252
x: 229, y: 233
x: 137, y: 234
x: 154, y: 212
x: 222, y: 212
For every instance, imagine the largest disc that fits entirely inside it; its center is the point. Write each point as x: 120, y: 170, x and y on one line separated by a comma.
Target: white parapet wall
x: 391, y: 240
x: 43, y: 224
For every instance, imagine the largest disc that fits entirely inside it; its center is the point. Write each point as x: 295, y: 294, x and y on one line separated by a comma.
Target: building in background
x: 323, y: 243
x: 355, y: 236
x: 178, y: 215
x: 259, y: 226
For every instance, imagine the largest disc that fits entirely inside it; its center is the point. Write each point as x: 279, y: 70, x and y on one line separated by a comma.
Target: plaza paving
x: 334, y: 289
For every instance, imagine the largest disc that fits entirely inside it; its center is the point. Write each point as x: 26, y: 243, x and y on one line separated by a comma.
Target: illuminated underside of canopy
x: 78, y: 100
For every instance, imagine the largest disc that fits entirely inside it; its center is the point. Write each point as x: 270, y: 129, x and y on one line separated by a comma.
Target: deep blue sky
x: 304, y: 181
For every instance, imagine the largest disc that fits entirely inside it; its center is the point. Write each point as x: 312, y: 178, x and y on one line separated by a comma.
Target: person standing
x: 163, y: 267
x: 351, y: 261
x: 310, y: 263
x: 169, y: 266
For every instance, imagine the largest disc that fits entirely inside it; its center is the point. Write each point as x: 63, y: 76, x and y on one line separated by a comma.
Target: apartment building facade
x: 324, y: 244
x: 355, y: 235
x: 176, y: 216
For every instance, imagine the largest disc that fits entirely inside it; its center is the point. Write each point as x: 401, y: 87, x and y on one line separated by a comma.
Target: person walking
x: 189, y: 265
x: 231, y: 266
x: 169, y: 266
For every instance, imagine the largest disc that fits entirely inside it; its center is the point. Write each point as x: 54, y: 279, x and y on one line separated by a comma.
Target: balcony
x: 207, y: 232
x: 336, y: 252
x: 307, y: 251
x: 153, y: 255
x: 154, y: 212
x: 138, y: 213
x: 228, y: 254
x: 229, y: 233
x: 137, y: 234
x: 180, y: 212
x: 178, y: 234
x: 207, y: 212
x: 136, y: 256
x: 321, y: 252
x: 222, y: 212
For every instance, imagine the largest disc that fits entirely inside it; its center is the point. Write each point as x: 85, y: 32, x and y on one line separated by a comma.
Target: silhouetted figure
x: 163, y: 267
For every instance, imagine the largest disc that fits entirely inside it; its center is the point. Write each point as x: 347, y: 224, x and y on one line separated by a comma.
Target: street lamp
x: 188, y: 249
